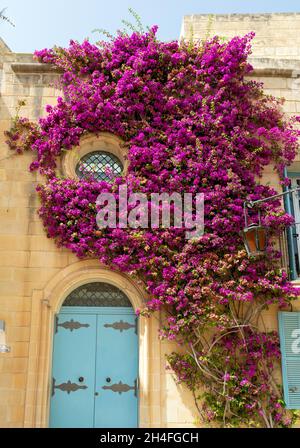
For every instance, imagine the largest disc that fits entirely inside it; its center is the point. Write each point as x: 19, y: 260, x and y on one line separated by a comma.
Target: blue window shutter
x: 289, y: 208
x: 289, y: 332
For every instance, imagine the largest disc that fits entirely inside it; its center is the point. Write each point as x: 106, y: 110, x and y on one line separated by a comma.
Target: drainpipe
x: 290, y: 239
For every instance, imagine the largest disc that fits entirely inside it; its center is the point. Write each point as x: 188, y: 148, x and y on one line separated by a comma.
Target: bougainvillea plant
x: 192, y: 122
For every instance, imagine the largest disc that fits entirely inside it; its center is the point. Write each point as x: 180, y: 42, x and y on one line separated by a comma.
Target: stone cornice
x: 34, y: 67
x: 240, y: 16
x: 287, y: 68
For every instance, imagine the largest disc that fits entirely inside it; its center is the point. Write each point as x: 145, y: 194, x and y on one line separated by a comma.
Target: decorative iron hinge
x: 66, y: 387
x: 69, y: 325
x: 121, y: 387
x: 121, y: 325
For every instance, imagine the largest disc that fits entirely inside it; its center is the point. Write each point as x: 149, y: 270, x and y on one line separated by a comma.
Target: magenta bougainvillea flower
x: 193, y: 123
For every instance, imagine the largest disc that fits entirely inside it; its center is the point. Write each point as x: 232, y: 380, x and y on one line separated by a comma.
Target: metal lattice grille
x: 97, y: 294
x: 99, y: 165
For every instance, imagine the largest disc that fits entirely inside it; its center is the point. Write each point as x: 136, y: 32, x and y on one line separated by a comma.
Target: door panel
x: 72, y: 399
x: 95, y: 370
x: 116, y: 372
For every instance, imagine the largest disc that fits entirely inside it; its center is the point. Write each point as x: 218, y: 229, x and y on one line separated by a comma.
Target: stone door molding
x: 46, y: 304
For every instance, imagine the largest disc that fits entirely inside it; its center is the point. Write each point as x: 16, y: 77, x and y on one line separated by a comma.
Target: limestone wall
x: 27, y: 258
x: 277, y: 35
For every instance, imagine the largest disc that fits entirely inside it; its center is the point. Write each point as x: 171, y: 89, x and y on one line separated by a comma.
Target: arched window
x: 97, y: 294
x: 99, y: 165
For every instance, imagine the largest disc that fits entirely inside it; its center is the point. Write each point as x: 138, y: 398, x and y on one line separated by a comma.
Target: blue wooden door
x: 116, y: 372
x: 72, y: 395
x: 95, y: 369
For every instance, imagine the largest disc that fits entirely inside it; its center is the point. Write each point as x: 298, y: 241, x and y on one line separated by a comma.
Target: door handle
x: 81, y: 379
x: 108, y: 380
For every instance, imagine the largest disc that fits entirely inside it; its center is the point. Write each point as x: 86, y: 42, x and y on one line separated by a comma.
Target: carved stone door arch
x: 46, y: 304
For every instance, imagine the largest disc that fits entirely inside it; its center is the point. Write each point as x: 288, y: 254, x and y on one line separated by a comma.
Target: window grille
x: 100, y: 165
x: 97, y: 294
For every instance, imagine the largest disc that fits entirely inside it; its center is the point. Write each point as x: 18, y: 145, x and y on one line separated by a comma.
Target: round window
x: 99, y: 165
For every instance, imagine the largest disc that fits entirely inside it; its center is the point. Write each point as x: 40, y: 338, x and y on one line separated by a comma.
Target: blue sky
x: 41, y: 23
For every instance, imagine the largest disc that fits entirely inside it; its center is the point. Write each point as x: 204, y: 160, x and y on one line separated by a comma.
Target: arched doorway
x: 95, y: 360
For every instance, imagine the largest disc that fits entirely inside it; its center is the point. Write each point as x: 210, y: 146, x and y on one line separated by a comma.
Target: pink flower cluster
x: 192, y: 123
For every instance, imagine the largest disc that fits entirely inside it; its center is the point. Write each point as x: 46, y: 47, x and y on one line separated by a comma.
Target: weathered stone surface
x: 276, y: 35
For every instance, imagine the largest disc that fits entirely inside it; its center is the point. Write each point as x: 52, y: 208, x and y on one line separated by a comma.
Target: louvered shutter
x: 289, y: 332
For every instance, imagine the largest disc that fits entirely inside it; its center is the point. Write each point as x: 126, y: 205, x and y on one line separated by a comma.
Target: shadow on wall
x: 177, y: 402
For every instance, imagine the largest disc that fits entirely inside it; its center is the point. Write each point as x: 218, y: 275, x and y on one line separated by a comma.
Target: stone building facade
x: 36, y: 276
